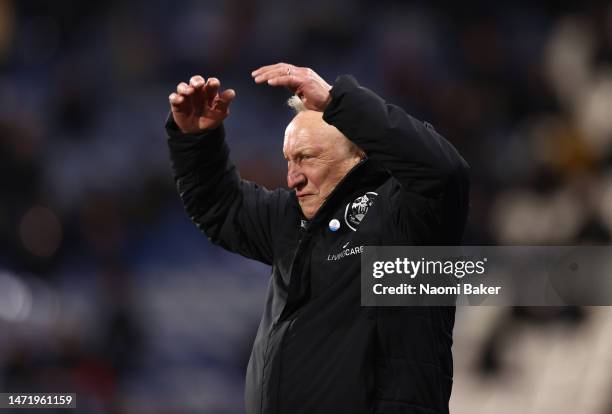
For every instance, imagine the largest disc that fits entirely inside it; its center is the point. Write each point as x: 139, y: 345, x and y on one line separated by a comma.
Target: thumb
x: 225, y: 98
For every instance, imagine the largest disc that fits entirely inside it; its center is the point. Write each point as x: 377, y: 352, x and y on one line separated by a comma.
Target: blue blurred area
x: 108, y: 290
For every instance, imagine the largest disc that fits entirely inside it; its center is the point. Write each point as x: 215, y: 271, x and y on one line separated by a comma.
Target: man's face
x: 318, y: 157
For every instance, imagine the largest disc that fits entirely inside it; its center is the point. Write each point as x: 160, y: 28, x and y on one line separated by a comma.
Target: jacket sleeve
x: 424, y: 163
x: 233, y: 213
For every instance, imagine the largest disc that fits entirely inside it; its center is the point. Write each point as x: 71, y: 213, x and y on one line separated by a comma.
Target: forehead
x: 306, y: 130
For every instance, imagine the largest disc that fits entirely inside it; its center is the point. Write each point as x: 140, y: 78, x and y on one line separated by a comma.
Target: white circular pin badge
x: 334, y: 225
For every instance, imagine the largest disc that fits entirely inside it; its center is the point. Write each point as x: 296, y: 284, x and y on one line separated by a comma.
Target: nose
x: 295, y: 179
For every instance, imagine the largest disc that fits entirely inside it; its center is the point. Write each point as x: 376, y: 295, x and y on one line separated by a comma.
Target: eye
x: 301, y: 157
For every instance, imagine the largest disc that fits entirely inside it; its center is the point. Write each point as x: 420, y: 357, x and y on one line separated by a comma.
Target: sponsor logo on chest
x: 344, y: 253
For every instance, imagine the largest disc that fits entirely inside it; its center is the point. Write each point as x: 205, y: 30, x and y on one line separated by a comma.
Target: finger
x: 184, y: 89
x: 211, y: 89
x: 283, y: 70
x: 175, y: 99
x: 288, y: 81
x: 197, y: 81
x: 177, y: 102
x: 186, y: 92
x: 262, y: 69
x: 225, y: 98
x: 273, y: 73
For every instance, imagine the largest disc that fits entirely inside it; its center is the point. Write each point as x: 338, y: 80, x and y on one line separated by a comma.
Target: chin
x: 308, y: 212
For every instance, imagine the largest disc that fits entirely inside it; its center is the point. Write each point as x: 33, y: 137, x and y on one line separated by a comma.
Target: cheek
x: 321, y: 177
x: 315, y: 176
x: 328, y: 179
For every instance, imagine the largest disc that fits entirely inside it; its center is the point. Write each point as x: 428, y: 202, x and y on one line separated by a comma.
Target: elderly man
x: 360, y: 172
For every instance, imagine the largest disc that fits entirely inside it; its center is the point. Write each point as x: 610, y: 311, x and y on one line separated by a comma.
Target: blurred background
x: 107, y: 289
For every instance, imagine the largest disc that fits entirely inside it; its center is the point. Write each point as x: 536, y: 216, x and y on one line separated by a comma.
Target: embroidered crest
x: 356, y: 211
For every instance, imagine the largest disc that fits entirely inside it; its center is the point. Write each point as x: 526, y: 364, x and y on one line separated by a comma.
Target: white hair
x: 296, y: 104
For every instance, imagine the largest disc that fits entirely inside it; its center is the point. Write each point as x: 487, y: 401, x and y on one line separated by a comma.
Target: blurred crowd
x: 107, y: 290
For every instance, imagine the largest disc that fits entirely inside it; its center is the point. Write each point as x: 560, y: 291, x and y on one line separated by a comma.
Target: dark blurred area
x: 107, y: 289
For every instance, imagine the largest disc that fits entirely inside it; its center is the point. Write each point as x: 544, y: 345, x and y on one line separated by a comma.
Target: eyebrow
x: 301, y: 151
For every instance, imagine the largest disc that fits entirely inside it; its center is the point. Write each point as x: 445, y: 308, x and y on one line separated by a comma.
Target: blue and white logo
x: 334, y: 225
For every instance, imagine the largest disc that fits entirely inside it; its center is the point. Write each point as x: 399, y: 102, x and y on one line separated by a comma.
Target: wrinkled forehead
x: 306, y: 130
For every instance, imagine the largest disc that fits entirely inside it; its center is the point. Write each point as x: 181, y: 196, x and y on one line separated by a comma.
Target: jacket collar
x: 364, y: 174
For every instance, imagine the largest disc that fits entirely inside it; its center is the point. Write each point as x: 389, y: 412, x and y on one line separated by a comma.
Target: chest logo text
x: 344, y: 253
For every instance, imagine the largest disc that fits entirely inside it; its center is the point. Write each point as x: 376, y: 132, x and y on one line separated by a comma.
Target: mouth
x: 301, y: 196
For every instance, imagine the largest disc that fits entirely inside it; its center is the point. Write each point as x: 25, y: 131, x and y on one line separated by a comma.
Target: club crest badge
x: 356, y: 211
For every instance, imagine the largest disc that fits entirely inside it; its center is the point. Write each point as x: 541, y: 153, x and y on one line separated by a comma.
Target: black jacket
x: 317, y: 351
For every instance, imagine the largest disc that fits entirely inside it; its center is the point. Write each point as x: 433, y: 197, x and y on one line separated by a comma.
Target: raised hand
x: 303, y: 82
x: 199, y: 106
